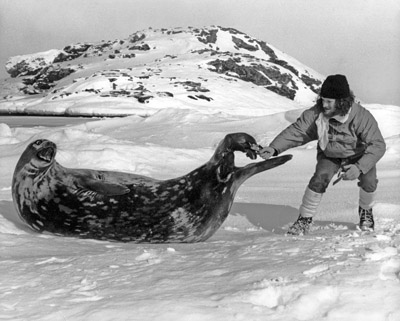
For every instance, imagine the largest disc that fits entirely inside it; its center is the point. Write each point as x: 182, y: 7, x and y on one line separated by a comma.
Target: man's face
x: 329, y: 107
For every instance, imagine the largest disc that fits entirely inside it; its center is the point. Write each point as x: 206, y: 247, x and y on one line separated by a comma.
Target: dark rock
x: 143, y: 98
x: 46, y: 78
x: 232, y: 31
x: 313, y: 84
x: 137, y: 37
x: 52, y: 74
x: 63, y: 56
x: 132, y: 55
x: 192, y: 86
x: 246, y: 73
x: 274, y: 58
x: 22, y: 68
x: 174, y: 32
x: 283, y: 91
x: 165, y: 94
x: 142, y: 47
x: 73, y: 51
x: 204, y: 97
x: 30, y: 91
x: 258, y: 75
x: 28, y: 81
x: 207, y: 36
x: 267, y: 50
x: 42, y: 85
x: 285, y: 65
x: 242, y: 44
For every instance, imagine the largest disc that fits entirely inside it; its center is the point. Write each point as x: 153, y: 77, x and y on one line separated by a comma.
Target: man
x: 349, y: 140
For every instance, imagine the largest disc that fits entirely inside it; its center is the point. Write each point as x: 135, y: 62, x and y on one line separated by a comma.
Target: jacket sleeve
x: 375, y: 147
x: 302, y: 131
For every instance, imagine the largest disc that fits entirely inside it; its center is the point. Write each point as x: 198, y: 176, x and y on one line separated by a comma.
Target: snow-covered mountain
x: 154, y: 69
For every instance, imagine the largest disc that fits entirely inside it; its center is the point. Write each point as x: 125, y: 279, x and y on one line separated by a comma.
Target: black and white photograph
x: 210, y: 160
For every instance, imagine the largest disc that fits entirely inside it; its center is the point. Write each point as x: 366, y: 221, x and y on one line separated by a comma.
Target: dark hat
x: 335, y: 87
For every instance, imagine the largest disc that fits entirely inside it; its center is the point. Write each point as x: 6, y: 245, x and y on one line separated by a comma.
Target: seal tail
x: 254, y: 168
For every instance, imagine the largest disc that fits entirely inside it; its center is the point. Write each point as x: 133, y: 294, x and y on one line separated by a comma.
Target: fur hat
x: 335, y: 87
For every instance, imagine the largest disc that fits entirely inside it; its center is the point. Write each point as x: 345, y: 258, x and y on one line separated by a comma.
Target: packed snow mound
x: 208, y: 68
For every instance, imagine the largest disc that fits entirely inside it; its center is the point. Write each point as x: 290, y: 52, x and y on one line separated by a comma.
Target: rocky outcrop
x: 71, y: 52
x: 22, y: 68
x: 45, y: 79
x: 141, y: 47
x: 28, y: 65
x: 239, y: 43
x: 138, y: 36
x: 206, y: 36
x: 312, y: 83
x: 258, y: 74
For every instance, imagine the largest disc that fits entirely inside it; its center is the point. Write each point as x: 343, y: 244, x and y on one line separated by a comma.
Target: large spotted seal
x: 108, y: 205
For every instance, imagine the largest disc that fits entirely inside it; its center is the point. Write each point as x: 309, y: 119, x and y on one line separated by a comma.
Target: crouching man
x: 349, y: 140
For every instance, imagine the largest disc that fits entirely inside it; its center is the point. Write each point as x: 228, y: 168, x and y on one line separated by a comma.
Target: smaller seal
x: 118, y: 206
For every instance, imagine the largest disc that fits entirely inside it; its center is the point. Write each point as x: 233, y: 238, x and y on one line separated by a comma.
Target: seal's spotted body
x: 125, y: 207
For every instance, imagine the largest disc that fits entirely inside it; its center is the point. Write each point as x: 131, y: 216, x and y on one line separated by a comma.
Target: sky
x: 359, y: 38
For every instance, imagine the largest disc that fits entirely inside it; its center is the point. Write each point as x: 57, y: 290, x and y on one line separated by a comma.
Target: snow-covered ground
x: 249, y: 270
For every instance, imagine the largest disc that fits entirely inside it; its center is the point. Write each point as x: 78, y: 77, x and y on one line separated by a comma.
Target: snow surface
x: 249, y: 270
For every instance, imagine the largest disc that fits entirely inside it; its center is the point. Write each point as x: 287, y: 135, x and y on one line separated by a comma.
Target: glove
x: 351, y: 172
x: 267, y: 152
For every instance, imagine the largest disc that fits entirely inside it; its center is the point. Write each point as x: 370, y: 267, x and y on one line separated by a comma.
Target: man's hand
x: 266, y: 152
x: 351, y: 172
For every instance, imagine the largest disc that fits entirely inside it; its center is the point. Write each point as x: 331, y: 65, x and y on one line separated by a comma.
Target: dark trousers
x: 327, y: 167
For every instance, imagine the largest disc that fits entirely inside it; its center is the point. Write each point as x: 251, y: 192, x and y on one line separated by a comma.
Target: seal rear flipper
x: 102, y: 187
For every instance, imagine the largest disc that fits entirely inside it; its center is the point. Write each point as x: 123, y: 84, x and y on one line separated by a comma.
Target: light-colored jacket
x: 358, y: 136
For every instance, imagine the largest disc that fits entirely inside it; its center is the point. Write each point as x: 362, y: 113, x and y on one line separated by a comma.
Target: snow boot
x: 366, y: 201
x: 301, y: 226
x: 308, y: 209
x: 366, y: 219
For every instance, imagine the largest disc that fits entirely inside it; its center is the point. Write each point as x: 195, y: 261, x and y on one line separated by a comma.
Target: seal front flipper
x: 251, y: 169
x: 88, y: 184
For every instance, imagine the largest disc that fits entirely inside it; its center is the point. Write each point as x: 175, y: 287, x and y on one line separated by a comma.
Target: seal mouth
x: 46, y: 154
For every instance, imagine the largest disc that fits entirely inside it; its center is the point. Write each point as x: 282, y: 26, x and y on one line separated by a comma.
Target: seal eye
x: 38, y: 142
